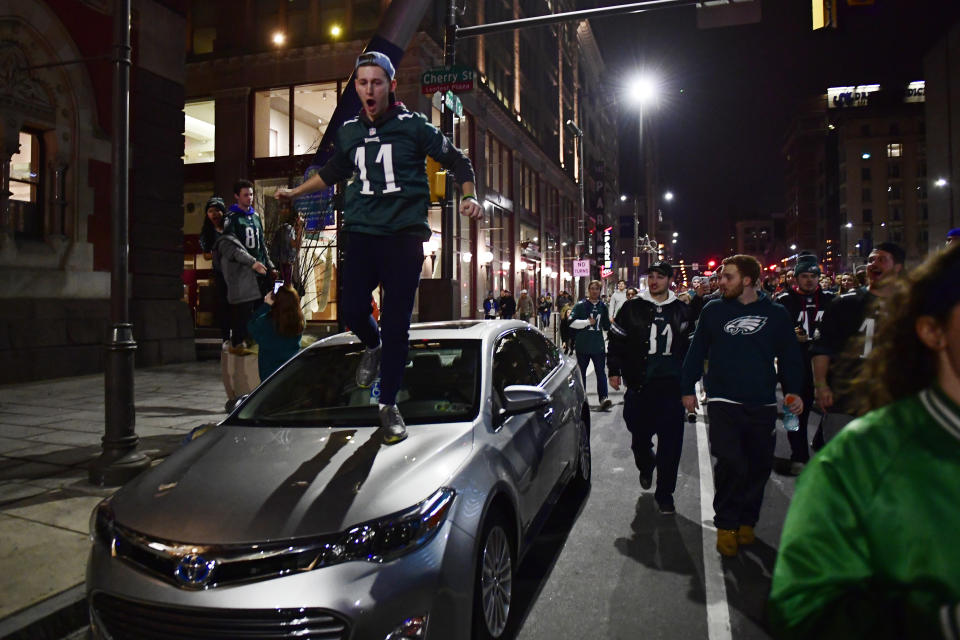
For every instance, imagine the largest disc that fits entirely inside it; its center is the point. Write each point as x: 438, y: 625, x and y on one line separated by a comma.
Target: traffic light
x: 437, y: 178
x: 711, y: 263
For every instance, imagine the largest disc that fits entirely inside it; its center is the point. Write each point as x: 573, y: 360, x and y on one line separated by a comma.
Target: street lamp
x: 642, y: 90
x: 577, y: 132
x: 668, y: 196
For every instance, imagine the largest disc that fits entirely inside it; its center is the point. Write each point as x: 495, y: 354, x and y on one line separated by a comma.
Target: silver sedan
x: 292, y: 519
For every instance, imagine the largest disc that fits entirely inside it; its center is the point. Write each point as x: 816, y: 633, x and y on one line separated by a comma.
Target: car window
x: 511, y: 363
x: 440, y: 384
x: 542, y: 353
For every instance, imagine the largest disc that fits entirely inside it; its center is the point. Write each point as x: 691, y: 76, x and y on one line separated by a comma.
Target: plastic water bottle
x: 791, y: 421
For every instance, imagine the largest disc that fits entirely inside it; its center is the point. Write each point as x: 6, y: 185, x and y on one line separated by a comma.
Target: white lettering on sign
x: 607, y: 250
x: 858, y: 96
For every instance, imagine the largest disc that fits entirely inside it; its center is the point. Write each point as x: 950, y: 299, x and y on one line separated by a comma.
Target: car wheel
x: 584, y: 465
x: 493, y: 590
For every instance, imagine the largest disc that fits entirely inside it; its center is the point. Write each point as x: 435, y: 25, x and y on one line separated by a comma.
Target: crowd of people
x: 868, y: 544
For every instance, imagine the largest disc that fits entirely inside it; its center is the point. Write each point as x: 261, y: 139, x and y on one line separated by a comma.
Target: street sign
x: 581, y: 268
x: 456, y: 78
x: 452, y: 102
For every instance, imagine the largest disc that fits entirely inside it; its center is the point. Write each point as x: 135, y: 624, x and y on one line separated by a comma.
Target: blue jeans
x: 599, y: 368
x: 395, y: 262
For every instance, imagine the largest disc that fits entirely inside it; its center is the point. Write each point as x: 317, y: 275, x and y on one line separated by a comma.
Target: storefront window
x: 199, y: 127
x: 313, y: 107
x: 271, y: 123
x: 25, y: 190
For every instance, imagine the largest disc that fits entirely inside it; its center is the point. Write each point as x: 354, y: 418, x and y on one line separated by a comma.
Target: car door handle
x: 548, y: 415
x: 571, y: 382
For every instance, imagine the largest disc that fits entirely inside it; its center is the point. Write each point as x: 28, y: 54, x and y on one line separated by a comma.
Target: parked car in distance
x: 292, y: 519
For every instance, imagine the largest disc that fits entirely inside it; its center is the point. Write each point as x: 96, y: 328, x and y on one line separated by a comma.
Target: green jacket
x: 871, y: 544
x: 589, y: 339
x: 386, y: 160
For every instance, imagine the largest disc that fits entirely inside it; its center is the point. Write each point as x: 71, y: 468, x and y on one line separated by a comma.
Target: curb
x: 50, y: 619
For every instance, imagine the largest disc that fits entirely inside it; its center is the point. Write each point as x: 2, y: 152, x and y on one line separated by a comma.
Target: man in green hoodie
x: 741, y: 334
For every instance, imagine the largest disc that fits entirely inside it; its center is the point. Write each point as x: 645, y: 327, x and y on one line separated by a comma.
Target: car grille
x: 126, y: 619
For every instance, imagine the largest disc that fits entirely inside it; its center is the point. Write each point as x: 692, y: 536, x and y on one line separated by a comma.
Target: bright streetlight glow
x: 642, y: 90
x: 865, y: 155
x: 793, y: 247
x: 676, y: 234
x: 668, y: 196
x: 849, y: 225
x: 623, y: 197
x: 279, y: 37
x: 674, y: 241
x: 941, y: 182
x: 335, y: 31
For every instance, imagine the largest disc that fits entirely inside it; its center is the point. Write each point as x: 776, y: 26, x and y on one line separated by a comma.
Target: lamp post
x: 642, y: 90
x: 577, y: 132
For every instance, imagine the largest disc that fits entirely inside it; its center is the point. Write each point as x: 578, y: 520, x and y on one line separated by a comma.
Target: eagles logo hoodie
x: 741, y: 342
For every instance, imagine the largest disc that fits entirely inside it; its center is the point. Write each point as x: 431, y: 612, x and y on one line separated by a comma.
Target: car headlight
x: 394, y: 535
x: 102, y: 523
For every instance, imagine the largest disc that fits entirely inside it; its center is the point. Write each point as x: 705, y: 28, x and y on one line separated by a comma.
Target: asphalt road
x: 608, y: 565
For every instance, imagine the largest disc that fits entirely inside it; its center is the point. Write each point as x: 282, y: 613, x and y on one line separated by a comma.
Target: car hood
x: 256, y: 484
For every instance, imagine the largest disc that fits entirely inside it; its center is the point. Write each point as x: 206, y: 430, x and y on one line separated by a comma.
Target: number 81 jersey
x: 388, y: 191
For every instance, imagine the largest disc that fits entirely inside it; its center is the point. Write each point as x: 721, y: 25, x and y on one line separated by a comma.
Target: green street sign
x: 456, y: 78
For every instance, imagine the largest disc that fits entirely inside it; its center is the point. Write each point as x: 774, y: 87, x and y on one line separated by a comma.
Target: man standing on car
x: 385, y: 224
x: 648, y: 339
x: 742, y: 334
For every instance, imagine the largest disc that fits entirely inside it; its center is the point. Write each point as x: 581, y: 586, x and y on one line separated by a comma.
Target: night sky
x: 728, y: 95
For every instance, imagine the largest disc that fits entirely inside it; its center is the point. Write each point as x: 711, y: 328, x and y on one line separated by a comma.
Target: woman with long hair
x: 277, y: 326
x: 869, y: 547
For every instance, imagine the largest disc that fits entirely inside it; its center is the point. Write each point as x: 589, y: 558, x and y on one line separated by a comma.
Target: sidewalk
x: 49, y: 432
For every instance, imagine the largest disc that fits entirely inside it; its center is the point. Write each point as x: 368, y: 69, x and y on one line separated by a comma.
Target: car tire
x: 493, y: 583
x: 583, y: 461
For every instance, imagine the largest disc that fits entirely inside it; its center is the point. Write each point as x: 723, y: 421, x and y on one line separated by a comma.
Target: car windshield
x: 441, y: 382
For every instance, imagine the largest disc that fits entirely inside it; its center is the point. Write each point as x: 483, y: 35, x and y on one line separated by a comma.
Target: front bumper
x: 364, y: 600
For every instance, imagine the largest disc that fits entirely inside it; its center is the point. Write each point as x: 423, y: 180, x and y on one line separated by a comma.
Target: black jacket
x: 629, y: 344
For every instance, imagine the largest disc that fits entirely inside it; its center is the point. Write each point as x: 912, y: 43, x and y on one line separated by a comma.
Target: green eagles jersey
x: 589, y: 338
x: 870, y: 541
x: 248, y: 229
x: 388, y: 191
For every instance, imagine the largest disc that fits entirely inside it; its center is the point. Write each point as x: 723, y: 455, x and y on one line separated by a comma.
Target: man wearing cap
x: 648, y: 339
x: 384, y: 150
x: 806, y: 304
x: 953, y: 236
x: 846, y: 337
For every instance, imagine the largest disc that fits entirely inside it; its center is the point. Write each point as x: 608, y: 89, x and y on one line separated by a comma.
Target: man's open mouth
x: 371, y: 103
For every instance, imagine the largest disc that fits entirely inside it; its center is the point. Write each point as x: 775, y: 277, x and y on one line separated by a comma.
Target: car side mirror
x: 522, y: 398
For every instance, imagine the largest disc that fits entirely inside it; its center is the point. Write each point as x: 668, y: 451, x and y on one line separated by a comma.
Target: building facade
x: 857, y: 174
x: 258, y: 109
x: 55, y: 204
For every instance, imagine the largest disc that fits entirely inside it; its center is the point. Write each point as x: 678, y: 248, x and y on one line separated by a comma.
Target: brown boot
x: 727, y: 542
x: 745, y: 535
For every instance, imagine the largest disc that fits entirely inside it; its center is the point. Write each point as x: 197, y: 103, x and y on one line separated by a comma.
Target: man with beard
x: 741, y: 335
x: 648, y: 340
x: 806, y: 304
x: 846, y: 336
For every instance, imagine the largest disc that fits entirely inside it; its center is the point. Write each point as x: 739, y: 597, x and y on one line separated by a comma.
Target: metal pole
x: 577, y: 132
x: 447, y: 214
x: 120, y: 460
x: 537, y: 21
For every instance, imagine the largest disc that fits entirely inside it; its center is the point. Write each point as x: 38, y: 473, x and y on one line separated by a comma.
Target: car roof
x: 444, y: 330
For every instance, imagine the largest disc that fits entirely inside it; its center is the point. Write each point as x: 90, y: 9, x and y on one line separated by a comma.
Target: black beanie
x: 216, y: 202
x: 895, y: 250
x: 807, y: 264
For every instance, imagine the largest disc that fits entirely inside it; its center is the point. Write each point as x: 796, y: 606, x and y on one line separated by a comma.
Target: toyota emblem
x: 194, y: 570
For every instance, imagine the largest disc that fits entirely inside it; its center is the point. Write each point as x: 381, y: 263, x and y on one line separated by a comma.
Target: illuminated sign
x: 607, y: 253
x: 915, y: 91
x: 858, y: 96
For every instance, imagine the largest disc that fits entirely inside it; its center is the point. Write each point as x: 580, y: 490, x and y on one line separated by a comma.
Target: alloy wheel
x: 496, y: 581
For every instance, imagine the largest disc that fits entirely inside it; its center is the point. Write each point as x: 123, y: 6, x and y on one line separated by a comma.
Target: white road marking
x: 718, y: 612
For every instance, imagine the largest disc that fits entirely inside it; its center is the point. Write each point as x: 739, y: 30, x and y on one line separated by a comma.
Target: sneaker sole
x: 394, y: 439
